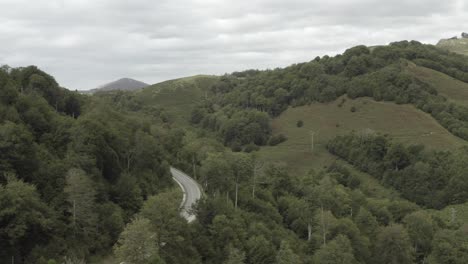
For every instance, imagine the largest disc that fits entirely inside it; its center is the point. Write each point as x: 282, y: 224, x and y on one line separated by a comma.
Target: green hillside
x: 359, y: 183
x: 404, y: 123
x: 177, y: 96
x: 455, y: 90
x: 459, y: 45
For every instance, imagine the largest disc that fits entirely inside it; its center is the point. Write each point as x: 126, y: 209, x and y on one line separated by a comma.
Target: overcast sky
x: 86, y: 43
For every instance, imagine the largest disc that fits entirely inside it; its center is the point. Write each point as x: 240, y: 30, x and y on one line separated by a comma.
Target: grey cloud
x: 85, y: 43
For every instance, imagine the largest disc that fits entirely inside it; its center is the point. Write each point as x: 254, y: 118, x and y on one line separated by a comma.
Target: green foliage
x: 235, y: 257
x: 162, y: 212
x: 260, y: 250
x: 421, y: 177
x: 393, y: 246
x: 337, y: 251
x: 97, y: 161
x: 277, y: 139
x: 17, y: 150
x: 449, y: 246
x: 421, y: 229
x: 286, y: 255
x: 26, y: 221
x: 81, y: 195
x: 137, y: 243
x: 380, y: 74
x: 92, y: 166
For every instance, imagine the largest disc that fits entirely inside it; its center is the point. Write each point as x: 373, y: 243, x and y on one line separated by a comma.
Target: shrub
x: 353, y: 109
x: 277, y: 139
x: 343, y: 100
x: 251, y: 147
x: 299, y: 123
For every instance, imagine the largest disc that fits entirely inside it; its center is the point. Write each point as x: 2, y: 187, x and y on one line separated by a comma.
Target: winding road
x: 191, y: 191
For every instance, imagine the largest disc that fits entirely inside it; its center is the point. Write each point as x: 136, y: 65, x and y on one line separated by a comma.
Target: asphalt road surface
x: 191, y: 191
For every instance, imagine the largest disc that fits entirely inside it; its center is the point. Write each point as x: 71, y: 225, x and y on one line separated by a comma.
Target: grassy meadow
x: 404, y: 123
x: 453, y: 89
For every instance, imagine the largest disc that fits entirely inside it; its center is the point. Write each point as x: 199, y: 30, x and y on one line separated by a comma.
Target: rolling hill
x: 178, y: 96
x: 453, y: 89
x: 124, y: 84
x: 458, y: 45
x: 404, y: 123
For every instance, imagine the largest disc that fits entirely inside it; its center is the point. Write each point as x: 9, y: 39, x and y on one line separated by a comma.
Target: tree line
x: 433, y: 179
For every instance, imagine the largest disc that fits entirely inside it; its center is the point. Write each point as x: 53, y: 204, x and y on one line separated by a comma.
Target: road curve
x: 191, y: 191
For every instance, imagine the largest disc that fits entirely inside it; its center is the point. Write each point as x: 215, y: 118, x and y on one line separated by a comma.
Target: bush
x: 235, y: 147
x: 251, y: 147
x: 343, y: 100
x: 299, y: 123
x: 353, y: 109
x: 277, y: 139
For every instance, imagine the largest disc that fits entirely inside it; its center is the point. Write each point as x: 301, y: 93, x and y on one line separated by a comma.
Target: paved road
x: 191, y: 192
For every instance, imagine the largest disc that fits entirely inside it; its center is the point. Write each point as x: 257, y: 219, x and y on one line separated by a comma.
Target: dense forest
x: 83, y: 176
x: 72, y: 171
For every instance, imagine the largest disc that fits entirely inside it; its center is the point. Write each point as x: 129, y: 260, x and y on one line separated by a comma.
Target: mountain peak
x: 123, y: 84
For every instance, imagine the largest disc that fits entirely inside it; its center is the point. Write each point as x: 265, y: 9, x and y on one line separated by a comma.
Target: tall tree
x: 163, y: 212
x: 137, y: 243
x: 338, y: 251
x: 260, y: 250
x: 235, y: 256
x: 393, y: 246
x: 242, y: 167
x: 81, y: 195
x: 25, y: 221
x: 286, y: 255
x: 449, y: 246
x: 421, y: 231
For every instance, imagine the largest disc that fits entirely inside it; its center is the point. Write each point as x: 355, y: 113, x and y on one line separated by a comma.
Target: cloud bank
x: 85, y: 43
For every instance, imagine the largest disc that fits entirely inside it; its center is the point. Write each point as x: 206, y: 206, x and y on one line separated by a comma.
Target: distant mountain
x: 455, y: 44
x: 124, y: 84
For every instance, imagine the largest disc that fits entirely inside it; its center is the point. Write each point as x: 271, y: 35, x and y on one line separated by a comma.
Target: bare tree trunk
x: 129, y: 160
x: 309, y: 231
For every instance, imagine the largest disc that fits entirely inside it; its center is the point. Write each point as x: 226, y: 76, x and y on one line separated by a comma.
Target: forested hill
x: 243, y: 102
x: 359, y: 196
x: 73, y: 171
x: 88, y: 176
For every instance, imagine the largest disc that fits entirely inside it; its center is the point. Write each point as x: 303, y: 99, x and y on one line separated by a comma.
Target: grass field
x: 404, y: 123
x: 451, y: 88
